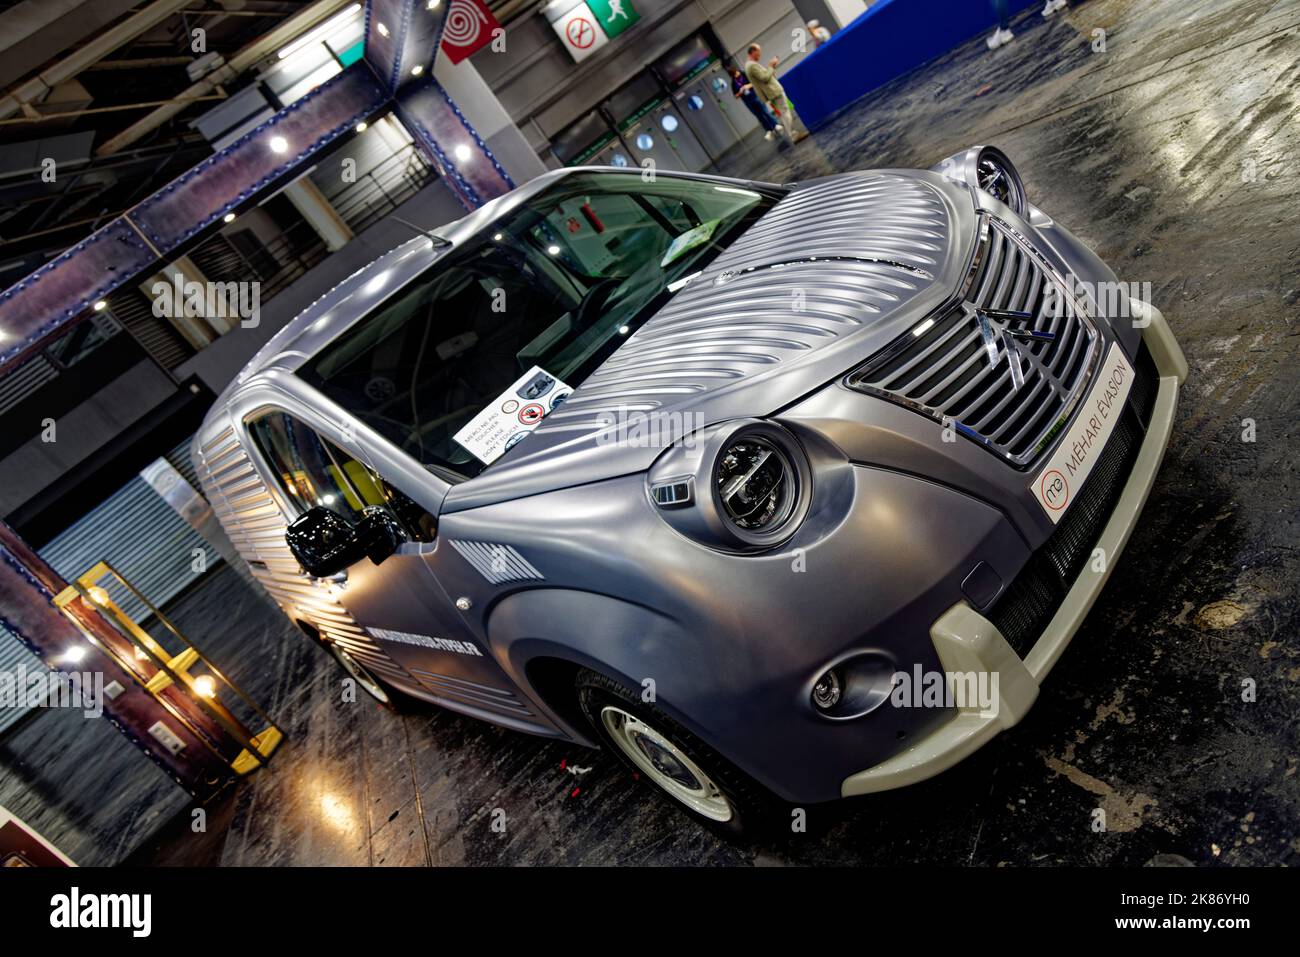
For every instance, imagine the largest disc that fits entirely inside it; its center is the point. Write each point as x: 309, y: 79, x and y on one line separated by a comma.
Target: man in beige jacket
x: 764, y: 81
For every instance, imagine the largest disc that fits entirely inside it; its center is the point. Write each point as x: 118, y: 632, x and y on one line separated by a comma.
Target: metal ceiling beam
x: 116, y: 108
x: 261, y: 48
x: 64, y: 290
x: 139, y: 63
x: 22, y: 98
x: 402, y: 40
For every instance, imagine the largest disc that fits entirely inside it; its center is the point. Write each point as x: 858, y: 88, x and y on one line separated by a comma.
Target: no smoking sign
x: 580, y: 32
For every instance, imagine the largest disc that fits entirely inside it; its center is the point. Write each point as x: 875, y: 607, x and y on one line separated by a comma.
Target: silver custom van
x: 782, y: 492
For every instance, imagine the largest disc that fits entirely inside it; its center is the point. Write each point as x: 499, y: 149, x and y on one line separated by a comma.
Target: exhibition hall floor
x: 1175, y: 153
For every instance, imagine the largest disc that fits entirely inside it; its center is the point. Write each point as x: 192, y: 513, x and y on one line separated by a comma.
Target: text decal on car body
x: 1065, y: 472
x: 426, y: 641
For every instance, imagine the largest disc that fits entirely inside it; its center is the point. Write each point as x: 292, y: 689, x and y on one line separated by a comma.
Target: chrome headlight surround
x: 988, y: 169
x: 743, y: 486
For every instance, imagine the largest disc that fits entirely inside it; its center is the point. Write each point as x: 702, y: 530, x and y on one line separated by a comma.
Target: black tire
x: 753, y: 807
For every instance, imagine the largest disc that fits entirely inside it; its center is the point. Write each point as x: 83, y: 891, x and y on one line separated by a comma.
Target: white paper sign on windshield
x: 512, y: 415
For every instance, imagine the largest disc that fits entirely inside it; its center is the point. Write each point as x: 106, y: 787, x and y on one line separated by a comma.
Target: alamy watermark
x: 648, y: 430
x: 968, y: 690
x: 216, y: 300
x: 42, y: 688
x: 1114, y: 300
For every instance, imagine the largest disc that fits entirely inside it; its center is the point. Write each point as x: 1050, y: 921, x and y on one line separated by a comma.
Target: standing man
x: 765, y: 83
x: 745, y: 93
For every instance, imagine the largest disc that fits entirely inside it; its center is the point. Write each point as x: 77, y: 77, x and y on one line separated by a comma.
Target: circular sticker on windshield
x: 558, y: 398
x: 531, y: 414
x: 510, y: 407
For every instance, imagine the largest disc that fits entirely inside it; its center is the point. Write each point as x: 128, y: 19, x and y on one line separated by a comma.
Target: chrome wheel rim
x: 359, y: 674
x: 664, y: 764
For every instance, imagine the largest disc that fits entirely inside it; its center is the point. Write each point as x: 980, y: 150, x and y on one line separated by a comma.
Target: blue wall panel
x: 891, y: 38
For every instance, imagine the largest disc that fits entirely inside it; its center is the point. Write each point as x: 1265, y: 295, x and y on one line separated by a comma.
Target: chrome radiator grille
x: 956, y: 366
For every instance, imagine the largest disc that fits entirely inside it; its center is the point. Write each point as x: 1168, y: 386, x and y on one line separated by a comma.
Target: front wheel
x: 392, y: 700
x: 680, y: 765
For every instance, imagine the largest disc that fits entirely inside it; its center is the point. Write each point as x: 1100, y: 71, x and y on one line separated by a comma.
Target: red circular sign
x: 580, y: 32
x: 531, y: 413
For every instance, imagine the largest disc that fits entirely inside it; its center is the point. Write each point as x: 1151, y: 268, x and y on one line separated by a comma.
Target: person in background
x: 764, y: 81
x: 745, y: 93
x: 819, y: 33
x: 1003, y: 32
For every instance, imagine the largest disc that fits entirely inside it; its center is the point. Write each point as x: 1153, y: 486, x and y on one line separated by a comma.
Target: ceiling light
x: 462, y: 152
x: 101, y: 305
x: 228, y: 218
x: 431, y: 5
x: 553, y: 250
x: 75, y: 654
x: 279, y: 144
x: 361, y: 127
x: 205, y: 686
x: 417, y: 70
x: 321, y: 31
x: 383, y: 30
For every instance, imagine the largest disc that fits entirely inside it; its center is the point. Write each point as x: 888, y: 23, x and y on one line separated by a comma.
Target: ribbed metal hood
x: 836, y: 270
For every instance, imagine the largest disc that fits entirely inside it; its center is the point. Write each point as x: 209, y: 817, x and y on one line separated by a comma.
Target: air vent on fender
x: 497, y: 563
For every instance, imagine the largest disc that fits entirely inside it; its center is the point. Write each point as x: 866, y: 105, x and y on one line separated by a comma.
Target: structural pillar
x: 403, y: 38
x: 187, y: 318
x: 484, y: 113
x: 320, y: 215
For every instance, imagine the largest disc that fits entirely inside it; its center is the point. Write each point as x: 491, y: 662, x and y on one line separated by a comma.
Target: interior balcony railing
x: 382, y: 189
x: 242, y: 257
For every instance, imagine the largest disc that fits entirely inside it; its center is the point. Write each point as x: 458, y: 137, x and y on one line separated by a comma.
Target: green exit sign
x: 614, y: 16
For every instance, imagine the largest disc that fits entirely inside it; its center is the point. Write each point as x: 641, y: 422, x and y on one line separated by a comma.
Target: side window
x: 312, y: 471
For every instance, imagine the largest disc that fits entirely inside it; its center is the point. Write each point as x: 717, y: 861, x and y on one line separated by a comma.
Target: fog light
x: 827, y: 691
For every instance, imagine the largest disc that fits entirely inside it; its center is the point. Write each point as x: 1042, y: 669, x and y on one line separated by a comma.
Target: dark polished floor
x: 1176, y: 154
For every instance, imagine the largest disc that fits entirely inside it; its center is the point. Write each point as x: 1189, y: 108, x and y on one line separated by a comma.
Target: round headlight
x: 742, y: 486
x: 996, y: 175
x: 757, y: 485
x: 827, y: 691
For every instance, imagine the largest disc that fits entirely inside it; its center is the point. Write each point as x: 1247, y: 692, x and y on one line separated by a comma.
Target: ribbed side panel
x: 475, y: 695
x: 497, y: 563
x: 256, y: 527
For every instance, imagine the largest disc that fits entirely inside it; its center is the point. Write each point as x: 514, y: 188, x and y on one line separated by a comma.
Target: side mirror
x: 325, y: 543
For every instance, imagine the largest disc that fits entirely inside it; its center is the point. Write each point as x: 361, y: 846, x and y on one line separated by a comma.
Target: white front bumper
x: 967, y: 642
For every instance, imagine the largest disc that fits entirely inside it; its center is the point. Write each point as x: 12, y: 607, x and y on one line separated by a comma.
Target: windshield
x: 464, y: 361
